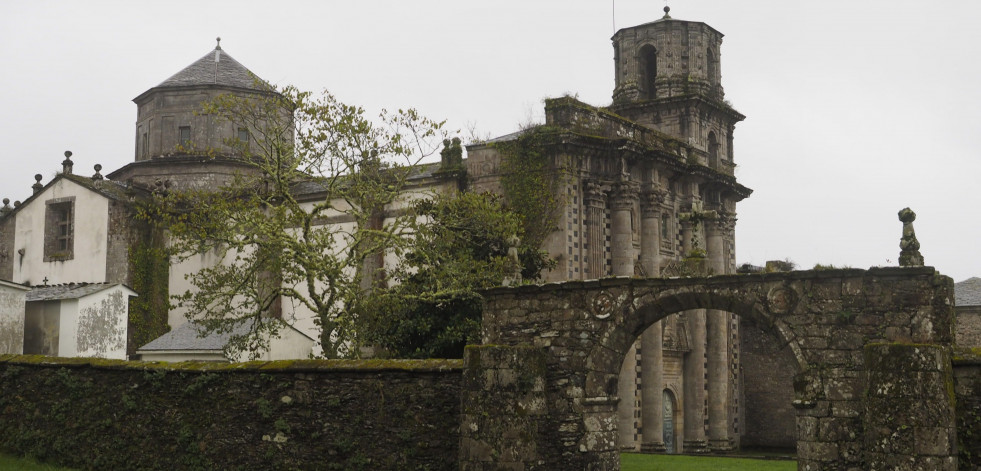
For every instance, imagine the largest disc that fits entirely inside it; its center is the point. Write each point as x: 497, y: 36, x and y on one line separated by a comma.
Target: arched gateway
x: 872, y: 348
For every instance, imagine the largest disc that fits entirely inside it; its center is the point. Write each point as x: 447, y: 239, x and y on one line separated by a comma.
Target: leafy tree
x: 270, y: 242
x: 460, y: 247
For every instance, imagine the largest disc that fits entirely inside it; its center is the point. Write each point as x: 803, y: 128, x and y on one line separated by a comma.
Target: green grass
x: 11, y: 463
x: 645, y: 462
x: 628, y: 462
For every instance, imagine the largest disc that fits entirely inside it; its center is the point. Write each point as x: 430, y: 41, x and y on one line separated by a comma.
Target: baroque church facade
x: 646, y: 186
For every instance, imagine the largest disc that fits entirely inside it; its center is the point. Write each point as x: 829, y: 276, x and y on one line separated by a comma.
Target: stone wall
x: 504, y: 407
x: 7, y: 253
x: 908, y: 419
x: 767, y: 371
x: 968, y: 332
x: 967, y: 388
x: 826, y: 318
x: 323, y: 415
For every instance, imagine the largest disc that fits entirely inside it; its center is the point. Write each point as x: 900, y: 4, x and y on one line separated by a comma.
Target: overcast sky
x: 855, y: 109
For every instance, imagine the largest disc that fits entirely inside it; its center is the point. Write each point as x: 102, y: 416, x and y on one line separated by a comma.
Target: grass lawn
x: 646, y: 462
x: 12, y: 463
x: 628, y: 462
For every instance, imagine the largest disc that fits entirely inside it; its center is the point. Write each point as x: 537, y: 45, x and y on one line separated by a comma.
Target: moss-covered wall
x: 323, y: 415
x: 967, y: 388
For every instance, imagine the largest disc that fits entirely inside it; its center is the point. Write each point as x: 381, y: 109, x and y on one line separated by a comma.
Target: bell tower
x: 669, y: 77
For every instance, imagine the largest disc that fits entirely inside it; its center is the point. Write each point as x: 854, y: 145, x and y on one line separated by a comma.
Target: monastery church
x: 645, y: 184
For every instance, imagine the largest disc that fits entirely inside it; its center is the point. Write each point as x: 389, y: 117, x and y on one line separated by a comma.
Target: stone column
x: 650, y: 229
x: 694, y: 391
x: 627, y: 390
x: 595, y: 199
x: 718, y: 346
x: 624, y: 197
x: 694, y: 368
x: 651, y: 354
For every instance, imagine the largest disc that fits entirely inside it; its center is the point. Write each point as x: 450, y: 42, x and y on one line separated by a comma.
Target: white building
x: 77, y: 320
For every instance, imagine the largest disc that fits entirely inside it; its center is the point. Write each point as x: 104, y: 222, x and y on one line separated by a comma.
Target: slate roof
x: 312, y: 187
x: 187, y: 337
x: 215, y: 68
x: 67, y: 291
x: 968, y: 292
x: 507, y: 137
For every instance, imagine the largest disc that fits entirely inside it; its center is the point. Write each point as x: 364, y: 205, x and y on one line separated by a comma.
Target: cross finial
x: 219, y: 42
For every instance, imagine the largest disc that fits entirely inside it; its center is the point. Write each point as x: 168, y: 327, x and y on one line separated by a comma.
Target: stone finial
x: 514, y: 279
x: 218, y: 39
x: 666, y: 15
x: 451, y: 157
x: 16, y: 203
x: 37, y: 186
x: 66, y: 165
x: 909, y: 255
x: 6, y: 207
x: 97, y: 176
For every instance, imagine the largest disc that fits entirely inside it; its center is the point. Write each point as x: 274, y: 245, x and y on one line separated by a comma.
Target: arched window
x: 713, y: 150
x: 648, y: 71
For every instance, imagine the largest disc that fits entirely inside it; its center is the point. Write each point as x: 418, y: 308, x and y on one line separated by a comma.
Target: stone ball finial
x: 6, y: 201
x: 98, y: 167
x: 907, y: 215
x: 38, y: 177
x: 68, y: 154
x: 218, y: 39
x: 667, y: 9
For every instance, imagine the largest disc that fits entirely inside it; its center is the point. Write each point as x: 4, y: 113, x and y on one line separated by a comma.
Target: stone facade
x: 645, y: 184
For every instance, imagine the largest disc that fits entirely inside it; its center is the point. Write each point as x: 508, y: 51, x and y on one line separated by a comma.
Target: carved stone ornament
x: 781, y: 300
x: 603, y: 305
x: 652, y: 196
x: 594, y: 193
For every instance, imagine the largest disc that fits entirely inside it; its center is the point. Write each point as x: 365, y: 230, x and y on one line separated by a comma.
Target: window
x: 648, y: 71
x: 59, y: 229
x: 146, y: 145
x: 243, y: 137
x: 713, y: 150
x: 666, y: 240
x: 185, y: 136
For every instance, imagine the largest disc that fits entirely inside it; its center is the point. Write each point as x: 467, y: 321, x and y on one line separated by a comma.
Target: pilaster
x: 594, y: 195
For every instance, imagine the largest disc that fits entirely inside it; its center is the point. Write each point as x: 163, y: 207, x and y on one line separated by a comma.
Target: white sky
x: 855, y: 109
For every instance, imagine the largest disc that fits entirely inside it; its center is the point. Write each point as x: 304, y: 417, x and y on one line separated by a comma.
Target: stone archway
x: 541, y: 392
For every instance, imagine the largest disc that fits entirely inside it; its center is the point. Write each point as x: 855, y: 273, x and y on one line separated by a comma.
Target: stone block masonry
x: 909, y: 408
x: 504, y: 407
x: 304, y: 415
x: 967, y: 389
